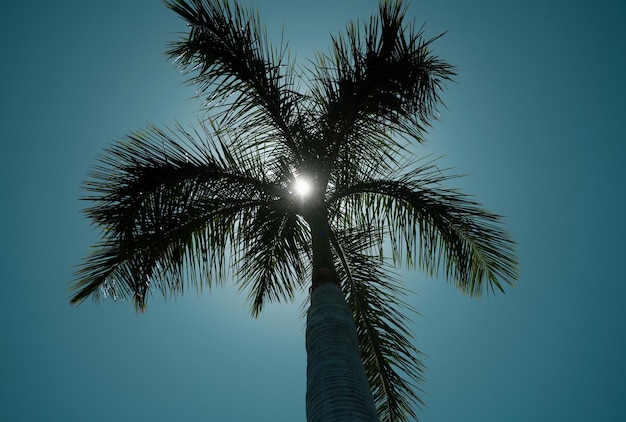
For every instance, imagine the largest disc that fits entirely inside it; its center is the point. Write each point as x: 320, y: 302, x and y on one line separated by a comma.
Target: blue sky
x: 534, y: 119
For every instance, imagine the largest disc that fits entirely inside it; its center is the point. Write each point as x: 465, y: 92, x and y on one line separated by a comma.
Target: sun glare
x: 302, y: 187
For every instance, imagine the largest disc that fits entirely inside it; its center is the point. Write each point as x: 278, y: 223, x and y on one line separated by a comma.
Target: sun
x: 302, y: 187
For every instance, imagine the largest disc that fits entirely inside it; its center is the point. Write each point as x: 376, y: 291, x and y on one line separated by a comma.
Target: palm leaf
x: 253, y: 83
x: 274, y: 264
x: 392, y: 362
x: 434, y: 227
x: 170, y: 205
x: 380, y: 79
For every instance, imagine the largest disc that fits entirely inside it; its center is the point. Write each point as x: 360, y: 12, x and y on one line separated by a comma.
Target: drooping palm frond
x: 405, y: 210
x: 170, y: 205
x: 434, y: 227
x: 392, y: 362
x: 276, y: 259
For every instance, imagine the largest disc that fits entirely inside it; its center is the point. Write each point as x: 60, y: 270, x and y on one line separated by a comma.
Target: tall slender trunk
x: 337, y: 387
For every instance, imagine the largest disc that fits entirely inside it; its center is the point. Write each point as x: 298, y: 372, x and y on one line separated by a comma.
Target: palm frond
x: 434, y: 227
x: 392, y: 362
x: 169, y: 206
x: 275, y: 256
x: 253, y: 83
x: 381, y: 77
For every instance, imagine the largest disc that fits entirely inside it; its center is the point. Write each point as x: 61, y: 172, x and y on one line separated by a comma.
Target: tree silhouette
x: 194, y: 206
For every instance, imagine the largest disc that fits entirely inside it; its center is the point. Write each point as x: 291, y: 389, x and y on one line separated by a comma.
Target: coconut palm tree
x: 299, y: 178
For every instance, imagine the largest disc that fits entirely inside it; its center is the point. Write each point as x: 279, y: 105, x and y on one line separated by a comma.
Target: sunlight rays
x: 302, y: 187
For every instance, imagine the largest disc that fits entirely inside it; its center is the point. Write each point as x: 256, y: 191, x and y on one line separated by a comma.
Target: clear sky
x: 535, y: 119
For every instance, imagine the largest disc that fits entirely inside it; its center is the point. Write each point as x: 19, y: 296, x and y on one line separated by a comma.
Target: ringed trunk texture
x: 337, y: 387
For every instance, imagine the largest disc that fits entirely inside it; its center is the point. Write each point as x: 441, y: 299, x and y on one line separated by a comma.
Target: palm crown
x: 193, y: 206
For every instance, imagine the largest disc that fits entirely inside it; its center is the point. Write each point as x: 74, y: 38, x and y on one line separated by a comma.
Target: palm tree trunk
x: 337, y: 387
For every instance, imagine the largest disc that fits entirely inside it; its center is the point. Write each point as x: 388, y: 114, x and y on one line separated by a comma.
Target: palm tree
x: 188, y: 207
